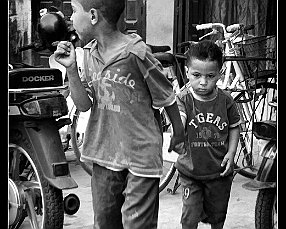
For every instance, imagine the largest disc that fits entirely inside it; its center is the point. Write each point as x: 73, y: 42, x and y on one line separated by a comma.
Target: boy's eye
x: 211, y: 76
x: 197, y: 75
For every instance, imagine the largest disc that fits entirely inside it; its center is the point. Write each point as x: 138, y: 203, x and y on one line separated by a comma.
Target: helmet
x: 52, y: 27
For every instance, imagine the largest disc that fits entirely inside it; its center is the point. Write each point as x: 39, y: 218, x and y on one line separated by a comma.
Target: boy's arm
x: 78, y: 92
x: 178, y: 127
x: 66, y: 56
x: 232, y: 147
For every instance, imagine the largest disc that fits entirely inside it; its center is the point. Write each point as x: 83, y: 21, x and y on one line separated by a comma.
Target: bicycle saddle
x: 166, y: 59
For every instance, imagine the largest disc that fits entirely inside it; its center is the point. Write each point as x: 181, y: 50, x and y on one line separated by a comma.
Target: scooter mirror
x: 52, y: 27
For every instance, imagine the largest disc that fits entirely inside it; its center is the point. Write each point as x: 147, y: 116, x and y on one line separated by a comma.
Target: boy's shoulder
x: 225, y: 94
x: 137, y: 46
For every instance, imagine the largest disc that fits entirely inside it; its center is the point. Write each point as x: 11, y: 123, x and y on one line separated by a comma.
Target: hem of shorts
x: 205, y: 177
x: 99, y: 162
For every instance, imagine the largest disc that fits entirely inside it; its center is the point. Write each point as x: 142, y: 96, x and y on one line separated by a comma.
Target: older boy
x: 122, y: 139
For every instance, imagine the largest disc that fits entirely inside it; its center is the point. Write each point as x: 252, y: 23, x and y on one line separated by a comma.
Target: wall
x: 19, y: 29
x: 159, y: 22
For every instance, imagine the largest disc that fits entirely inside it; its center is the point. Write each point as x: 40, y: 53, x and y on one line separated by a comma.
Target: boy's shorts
x: 123, y: 200
x: 205, y: 200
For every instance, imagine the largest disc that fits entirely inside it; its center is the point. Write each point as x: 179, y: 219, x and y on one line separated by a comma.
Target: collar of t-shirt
x: 135, y: 46
x: 199, y: 98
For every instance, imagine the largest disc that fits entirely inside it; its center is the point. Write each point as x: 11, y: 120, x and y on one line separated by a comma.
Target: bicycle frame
x: 237, y: 84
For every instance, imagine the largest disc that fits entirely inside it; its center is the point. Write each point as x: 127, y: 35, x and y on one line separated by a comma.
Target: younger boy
x: 211, y: 121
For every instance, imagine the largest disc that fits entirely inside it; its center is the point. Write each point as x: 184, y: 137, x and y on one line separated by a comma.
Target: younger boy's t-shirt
x: 122, y: 131
x: 207, y: 127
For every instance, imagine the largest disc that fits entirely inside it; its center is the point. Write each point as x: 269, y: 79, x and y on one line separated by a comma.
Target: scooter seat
x: 34, y: 78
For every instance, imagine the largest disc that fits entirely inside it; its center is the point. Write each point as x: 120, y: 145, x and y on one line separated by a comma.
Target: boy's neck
x: 205, y: 97
x: 109, y: 42
x: 109, y: 39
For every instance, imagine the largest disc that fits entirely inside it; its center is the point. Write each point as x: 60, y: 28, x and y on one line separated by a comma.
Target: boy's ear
x: 94, y: 16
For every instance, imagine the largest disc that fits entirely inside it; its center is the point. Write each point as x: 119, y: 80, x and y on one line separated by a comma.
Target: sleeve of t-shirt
x: 181, y: 106
x: 82, y: 76
x: 159, y: 86
x: 233, y: 114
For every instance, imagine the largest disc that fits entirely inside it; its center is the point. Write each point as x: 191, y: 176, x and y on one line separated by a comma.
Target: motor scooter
x: 266, y: 180
x: 38, y: 169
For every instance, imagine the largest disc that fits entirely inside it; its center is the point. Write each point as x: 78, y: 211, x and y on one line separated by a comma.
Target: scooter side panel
x: 46, y: 142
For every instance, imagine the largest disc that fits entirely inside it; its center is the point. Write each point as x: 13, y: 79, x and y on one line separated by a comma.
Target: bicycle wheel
x: 79, y: 122
x: 247, y: 159
x: 33, y: 202
x: 169, y: 159
x: 168, y: 173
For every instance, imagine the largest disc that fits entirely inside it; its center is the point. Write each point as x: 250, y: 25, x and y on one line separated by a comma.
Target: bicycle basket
x: 261, y: 47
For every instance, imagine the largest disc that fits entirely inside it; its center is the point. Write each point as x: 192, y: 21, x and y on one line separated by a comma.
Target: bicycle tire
x: 247, y: 159
x: 266, y: 209
x: 24, y: 169
x: 169, y: 168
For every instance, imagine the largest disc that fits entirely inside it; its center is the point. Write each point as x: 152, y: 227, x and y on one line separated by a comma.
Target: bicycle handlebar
x: 210, y: 26
x: 233, y: 29
x: 186, y: 43
x: 157, y: 48
x: 204, y: 26
x: 248, y: 27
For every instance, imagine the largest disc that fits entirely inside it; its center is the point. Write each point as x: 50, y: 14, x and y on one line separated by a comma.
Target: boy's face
x: 81, y: 21
x: 203, y: 76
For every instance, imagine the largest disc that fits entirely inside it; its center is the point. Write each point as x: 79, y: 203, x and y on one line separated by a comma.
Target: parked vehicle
x: 38, y: 169
x: 266, y: 180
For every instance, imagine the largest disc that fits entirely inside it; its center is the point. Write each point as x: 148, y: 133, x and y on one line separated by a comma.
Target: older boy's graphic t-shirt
x: 207, y: 128
x: 122, y: 132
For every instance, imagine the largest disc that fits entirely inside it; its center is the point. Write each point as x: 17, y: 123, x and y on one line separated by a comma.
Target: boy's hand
x: 227, y: 162
x: 177, y: 144
x: 65, y: 53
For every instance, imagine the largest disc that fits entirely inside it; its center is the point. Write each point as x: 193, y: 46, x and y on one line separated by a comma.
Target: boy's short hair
x: 205, y: 50
x: 111, y: 10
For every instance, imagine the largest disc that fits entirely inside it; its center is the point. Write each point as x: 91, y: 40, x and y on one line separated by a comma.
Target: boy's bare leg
x: 217, y: 226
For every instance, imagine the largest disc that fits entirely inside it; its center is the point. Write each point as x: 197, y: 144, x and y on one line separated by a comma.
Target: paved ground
x: 240, y: 211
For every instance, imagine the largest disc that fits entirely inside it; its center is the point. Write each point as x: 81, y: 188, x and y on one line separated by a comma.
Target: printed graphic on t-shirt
x: 105, y: 91
x: 209, y: 135
x: 209, y: 118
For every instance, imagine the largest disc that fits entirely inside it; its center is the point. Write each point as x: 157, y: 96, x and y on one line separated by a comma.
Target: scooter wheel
x: 71, y: 204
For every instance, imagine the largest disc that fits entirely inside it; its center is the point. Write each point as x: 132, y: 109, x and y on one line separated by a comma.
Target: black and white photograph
x: 142, y: 114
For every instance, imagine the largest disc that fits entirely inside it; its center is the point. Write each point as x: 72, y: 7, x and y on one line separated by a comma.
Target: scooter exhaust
x: 71, y: 204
